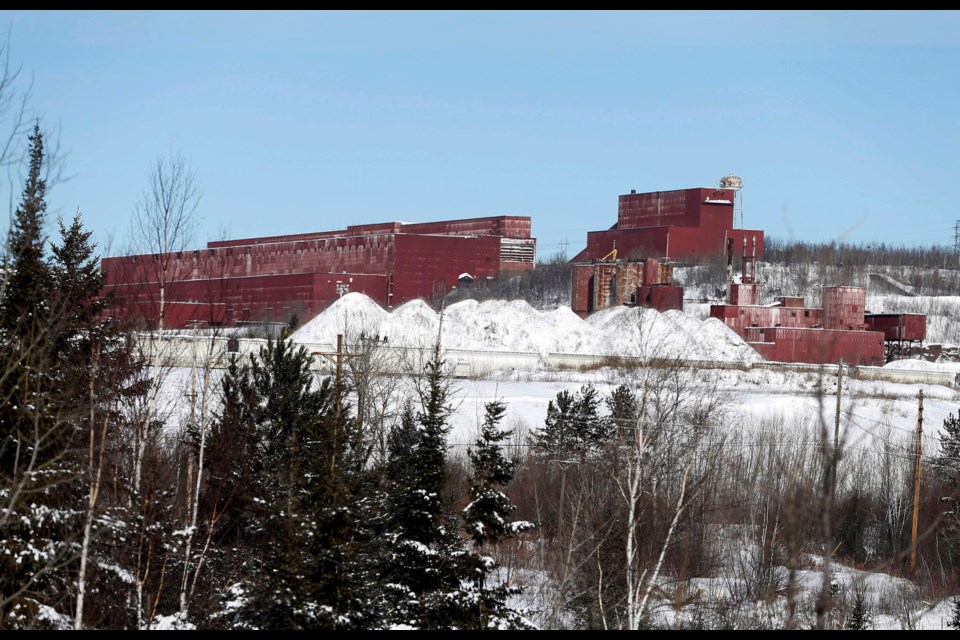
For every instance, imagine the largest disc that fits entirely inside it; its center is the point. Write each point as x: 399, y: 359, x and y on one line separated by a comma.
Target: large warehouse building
x: 275, y: 278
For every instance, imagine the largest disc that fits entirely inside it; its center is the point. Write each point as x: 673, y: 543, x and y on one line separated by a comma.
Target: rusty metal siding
x: 272, y: 275
x: 506, y: 226
x: 426, y: 266
x: 843, y: 307
x: 742, y: 318
x: 819, y: 346
x: 651, y: 272
x: 501, y: 226
x: 615, y: 283
x: 682, y: 208
x: 790, y: 302
x: 744, y: 294
x: 582, y: 277
x: 629, y: 243
x: 898, y: 326
x: 660, y: 297
x: 685, y: 225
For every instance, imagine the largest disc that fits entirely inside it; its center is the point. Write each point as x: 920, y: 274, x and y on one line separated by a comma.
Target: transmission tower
x: 956, y: 237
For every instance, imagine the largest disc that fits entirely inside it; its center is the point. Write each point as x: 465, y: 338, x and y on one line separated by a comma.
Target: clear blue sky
x: 843, y: 125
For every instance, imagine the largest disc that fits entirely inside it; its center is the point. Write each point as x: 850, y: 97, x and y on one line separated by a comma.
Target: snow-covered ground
x: 751, y: 402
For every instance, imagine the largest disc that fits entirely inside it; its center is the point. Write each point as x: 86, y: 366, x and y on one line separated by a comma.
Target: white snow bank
x: 913, y: 364
x: 513, y: 325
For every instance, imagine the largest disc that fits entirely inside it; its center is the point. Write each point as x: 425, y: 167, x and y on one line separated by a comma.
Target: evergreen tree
x: 622, y: 403
x: 77, y: 283
x: 946, y: 466
x: 38, y: 520
x: 423, y: 567
x: 859, y: 618
x: 97, y: 372
x: 557, y: 438
x: 300, y: 531
x: 573, y: 426
x: 26, y: 276
x: 486, y: 522
x: 954, y: 622
x: 402, y: 440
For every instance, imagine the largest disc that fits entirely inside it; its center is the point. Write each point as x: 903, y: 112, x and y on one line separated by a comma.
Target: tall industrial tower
x: 731, y: 181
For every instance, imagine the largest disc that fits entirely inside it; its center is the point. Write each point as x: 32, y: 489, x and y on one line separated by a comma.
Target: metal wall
x: 681, y: 208
x: 791, y: 301
x: 426, y: 266
x: 843, y: 307
x: 898, y: 326
x: 598, y: 285
x: 817, y: 346
x: 685, y: 225
x: 661, y: 297
x: 273, y: 277
x: 743, y: 294
x: 631, y: 244
x: 507, y: 226
x: 740, y: 318
x: 582, y: 277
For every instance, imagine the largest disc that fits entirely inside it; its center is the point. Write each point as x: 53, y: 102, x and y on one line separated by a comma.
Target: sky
x: 842, y: 125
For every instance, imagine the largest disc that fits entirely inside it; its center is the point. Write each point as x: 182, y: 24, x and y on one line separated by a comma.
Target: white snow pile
x: 513, y: 325
x: 634, y: 331
x: 914, y: 364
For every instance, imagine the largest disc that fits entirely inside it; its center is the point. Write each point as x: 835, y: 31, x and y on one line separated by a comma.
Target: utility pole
x: 337, y: 358
x: 916, y: 486
x: 956, y: 241
x: 836, y: 432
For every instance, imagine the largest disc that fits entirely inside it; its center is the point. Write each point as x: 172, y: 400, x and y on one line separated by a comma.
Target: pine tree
x: 557, y: 438
x: 859, y: 618
x: 77, y: 283
x: 594, y: 430
x: 946, y: 466
x: 38, y: 520
x: 573, y: 427
x: 954, y: 622
x: 423, y: 564
x: 402, y: 440
x: 300, y: 530
x: 97, y: 371
x: 26, y: 276
x: 487, y: 524
x: 622, y: 403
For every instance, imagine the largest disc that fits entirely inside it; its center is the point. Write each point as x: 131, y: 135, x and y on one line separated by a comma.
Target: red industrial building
x: 691, y: 225
x: 683, y: 226
x: 654, y: 230
x: 788, y: 331
x: 275, y: 278
x: 903, y: 332
x: 610, y: 282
